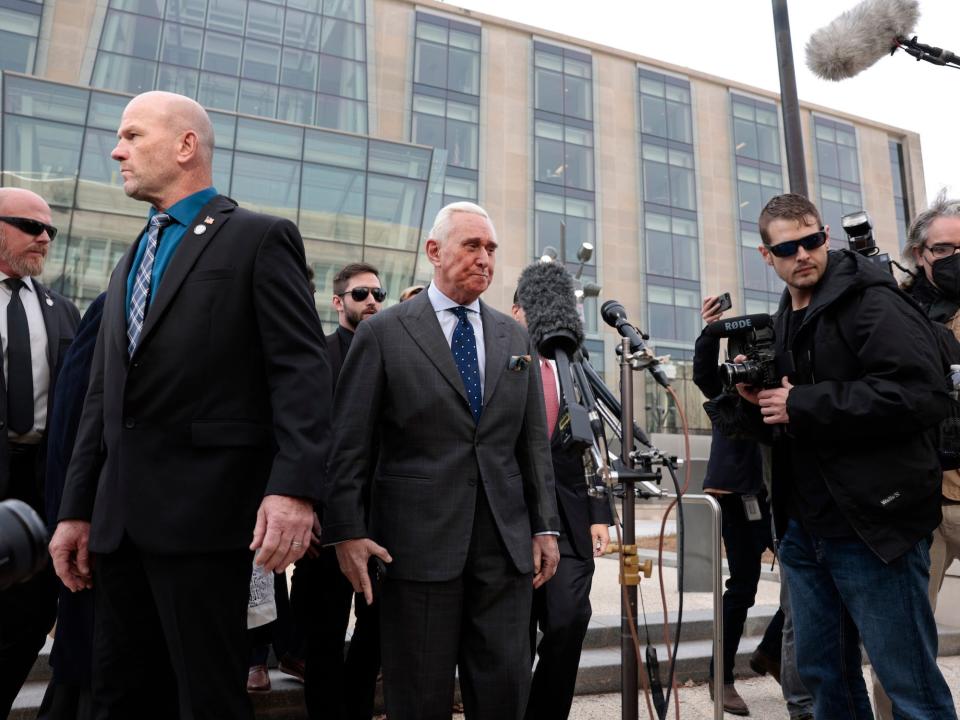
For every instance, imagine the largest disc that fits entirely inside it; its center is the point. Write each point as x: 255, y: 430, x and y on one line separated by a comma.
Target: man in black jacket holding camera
x: 856, y: 479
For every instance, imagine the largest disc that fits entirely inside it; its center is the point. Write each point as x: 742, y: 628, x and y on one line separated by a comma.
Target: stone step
x: 599, y: 673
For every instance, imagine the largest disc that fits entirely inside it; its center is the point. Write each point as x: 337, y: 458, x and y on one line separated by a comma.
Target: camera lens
x: 748, y: 373
x: 23, y: 543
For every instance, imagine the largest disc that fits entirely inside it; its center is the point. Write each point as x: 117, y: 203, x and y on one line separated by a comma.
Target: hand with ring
x: 282, y: 532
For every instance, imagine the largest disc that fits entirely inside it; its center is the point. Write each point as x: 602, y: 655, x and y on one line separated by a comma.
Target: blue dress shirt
x: 182, y: 213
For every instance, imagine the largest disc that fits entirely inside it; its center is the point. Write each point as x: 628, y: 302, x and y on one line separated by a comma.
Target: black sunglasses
x: 790, y: 247
x: 359, y: 294
x: 30, y: 226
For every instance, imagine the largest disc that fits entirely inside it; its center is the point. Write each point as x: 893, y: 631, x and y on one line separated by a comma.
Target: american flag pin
x: 208, y: 220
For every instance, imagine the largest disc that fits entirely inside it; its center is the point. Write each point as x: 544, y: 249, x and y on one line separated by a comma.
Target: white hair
x: 441, y: 224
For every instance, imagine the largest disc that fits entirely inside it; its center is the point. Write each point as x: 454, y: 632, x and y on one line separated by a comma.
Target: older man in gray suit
x: 440, y: 411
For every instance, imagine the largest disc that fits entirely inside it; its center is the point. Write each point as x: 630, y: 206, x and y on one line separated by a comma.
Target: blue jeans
x: 840, y: 593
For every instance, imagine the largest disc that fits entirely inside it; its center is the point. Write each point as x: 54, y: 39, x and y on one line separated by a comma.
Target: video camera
x: 752, y: 336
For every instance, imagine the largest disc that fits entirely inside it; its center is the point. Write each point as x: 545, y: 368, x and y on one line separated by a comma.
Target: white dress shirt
x: 448, y: 323
x: 38, y: 353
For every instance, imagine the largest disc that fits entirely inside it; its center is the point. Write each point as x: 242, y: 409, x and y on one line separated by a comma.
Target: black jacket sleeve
x: 706, y: 354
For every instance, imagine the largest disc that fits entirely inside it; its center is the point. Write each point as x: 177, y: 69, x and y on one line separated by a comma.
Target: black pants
x: 170, y: 635
x: 745, y: 542
x: 28, y: 609
x: 561, y: 608
x: 478, y: 622
x: 335, y: 688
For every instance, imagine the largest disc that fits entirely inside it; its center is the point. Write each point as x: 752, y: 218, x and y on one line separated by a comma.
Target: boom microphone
x: 546, y: 294
x: 860, y: 37
x: 737, y: 325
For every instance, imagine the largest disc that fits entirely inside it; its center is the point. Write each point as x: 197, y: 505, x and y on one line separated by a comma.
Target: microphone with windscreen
x: 864, y: 34
x: 545, y: 292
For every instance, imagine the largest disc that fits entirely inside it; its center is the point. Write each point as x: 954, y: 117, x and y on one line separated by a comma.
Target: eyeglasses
x: 30, y: 226
x: 942, y: 250
x: 790, y: 247
x: 359, y: 294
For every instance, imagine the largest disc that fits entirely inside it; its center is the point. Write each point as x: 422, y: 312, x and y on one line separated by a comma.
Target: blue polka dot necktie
x: 464, y: 347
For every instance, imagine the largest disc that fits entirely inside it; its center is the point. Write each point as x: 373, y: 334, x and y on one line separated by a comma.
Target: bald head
x: 24, y: 244
x: 165, y: 148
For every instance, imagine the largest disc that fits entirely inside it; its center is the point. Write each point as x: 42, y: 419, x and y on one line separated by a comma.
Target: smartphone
x: 377, y: 570
x: 725, y: 302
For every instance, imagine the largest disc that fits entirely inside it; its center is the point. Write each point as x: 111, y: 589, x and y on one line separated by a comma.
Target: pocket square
x: 518, y: 363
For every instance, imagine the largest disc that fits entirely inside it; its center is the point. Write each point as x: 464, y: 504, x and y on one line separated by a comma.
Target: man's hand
x: 313, y: 551
x: 710, y: 309
x: 747, y: 392
x: 773, y: 403
x: 600, y: 536
x: 282, y: 533
x: 71, y: 558
x: 353, y: 556
x: 546, y: 557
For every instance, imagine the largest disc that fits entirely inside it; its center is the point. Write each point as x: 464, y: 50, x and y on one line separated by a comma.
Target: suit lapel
x: 424, y: 328
x: 189, y: 250
x: 115, y: 309
x: 495, y: 348
x: 51, y: 320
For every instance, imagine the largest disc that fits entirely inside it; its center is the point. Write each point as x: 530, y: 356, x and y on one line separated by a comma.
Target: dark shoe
x: 732, y: 702
x: 761, y: 664
x: 258, y: 680
x: 292, y: 666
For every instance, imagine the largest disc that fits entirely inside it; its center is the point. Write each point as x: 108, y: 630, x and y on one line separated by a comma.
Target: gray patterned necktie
x: 141, y: 285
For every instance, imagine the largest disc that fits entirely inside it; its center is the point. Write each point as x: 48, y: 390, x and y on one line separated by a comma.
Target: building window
x: 670, y: 233
x: 759, y: 177
x: 19, y: 28
x: 304, y: 63
x: 901, y: 204
x: 446, y: 98
x: 838, y: 174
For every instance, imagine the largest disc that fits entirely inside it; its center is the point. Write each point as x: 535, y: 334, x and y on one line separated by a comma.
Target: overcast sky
x: 734, y: 39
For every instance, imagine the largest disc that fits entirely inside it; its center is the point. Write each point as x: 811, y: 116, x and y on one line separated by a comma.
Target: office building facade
x: 358, y: 118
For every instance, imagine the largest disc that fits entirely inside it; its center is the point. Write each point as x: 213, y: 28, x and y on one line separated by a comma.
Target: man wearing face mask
x: 932, y: 246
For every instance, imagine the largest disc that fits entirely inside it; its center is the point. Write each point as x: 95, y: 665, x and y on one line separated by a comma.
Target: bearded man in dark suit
x: 37, y: 326
x: 440, y: 417
x: 205, y: 423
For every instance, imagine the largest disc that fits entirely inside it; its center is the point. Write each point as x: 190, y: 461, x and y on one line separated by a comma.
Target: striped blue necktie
x: 141, y: 285
x: 464, y: 347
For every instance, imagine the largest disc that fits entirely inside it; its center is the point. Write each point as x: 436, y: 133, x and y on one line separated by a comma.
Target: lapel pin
x: 208, y: 220
x: 199, y: 229
x: 49, y: 299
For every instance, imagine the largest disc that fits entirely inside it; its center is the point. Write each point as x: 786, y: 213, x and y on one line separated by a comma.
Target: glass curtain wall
x: 759, y: 175
x: 354, y: 198
x: 303, y: 61
x: 446, y: 98
x: 838, y: 175
x: 19, y: 29
x: 671, y: 237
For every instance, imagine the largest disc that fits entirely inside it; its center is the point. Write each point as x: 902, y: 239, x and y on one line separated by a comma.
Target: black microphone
x: 614, y: 315
x: 860, y: 37
x: 737, y: 325
x: 546, y: 294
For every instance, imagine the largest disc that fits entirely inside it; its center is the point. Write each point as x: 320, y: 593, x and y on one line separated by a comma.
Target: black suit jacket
x: 226, y: 398
x: 578, y: 511
x: 404, y: 429
x: 60, y: 317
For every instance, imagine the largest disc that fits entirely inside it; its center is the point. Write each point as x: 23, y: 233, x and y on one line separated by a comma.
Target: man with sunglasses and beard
x: 37, y: 326
x: 856, y: 479
x: 336, y: 688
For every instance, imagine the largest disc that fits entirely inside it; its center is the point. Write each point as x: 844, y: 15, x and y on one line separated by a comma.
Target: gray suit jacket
x: 400, y: 390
